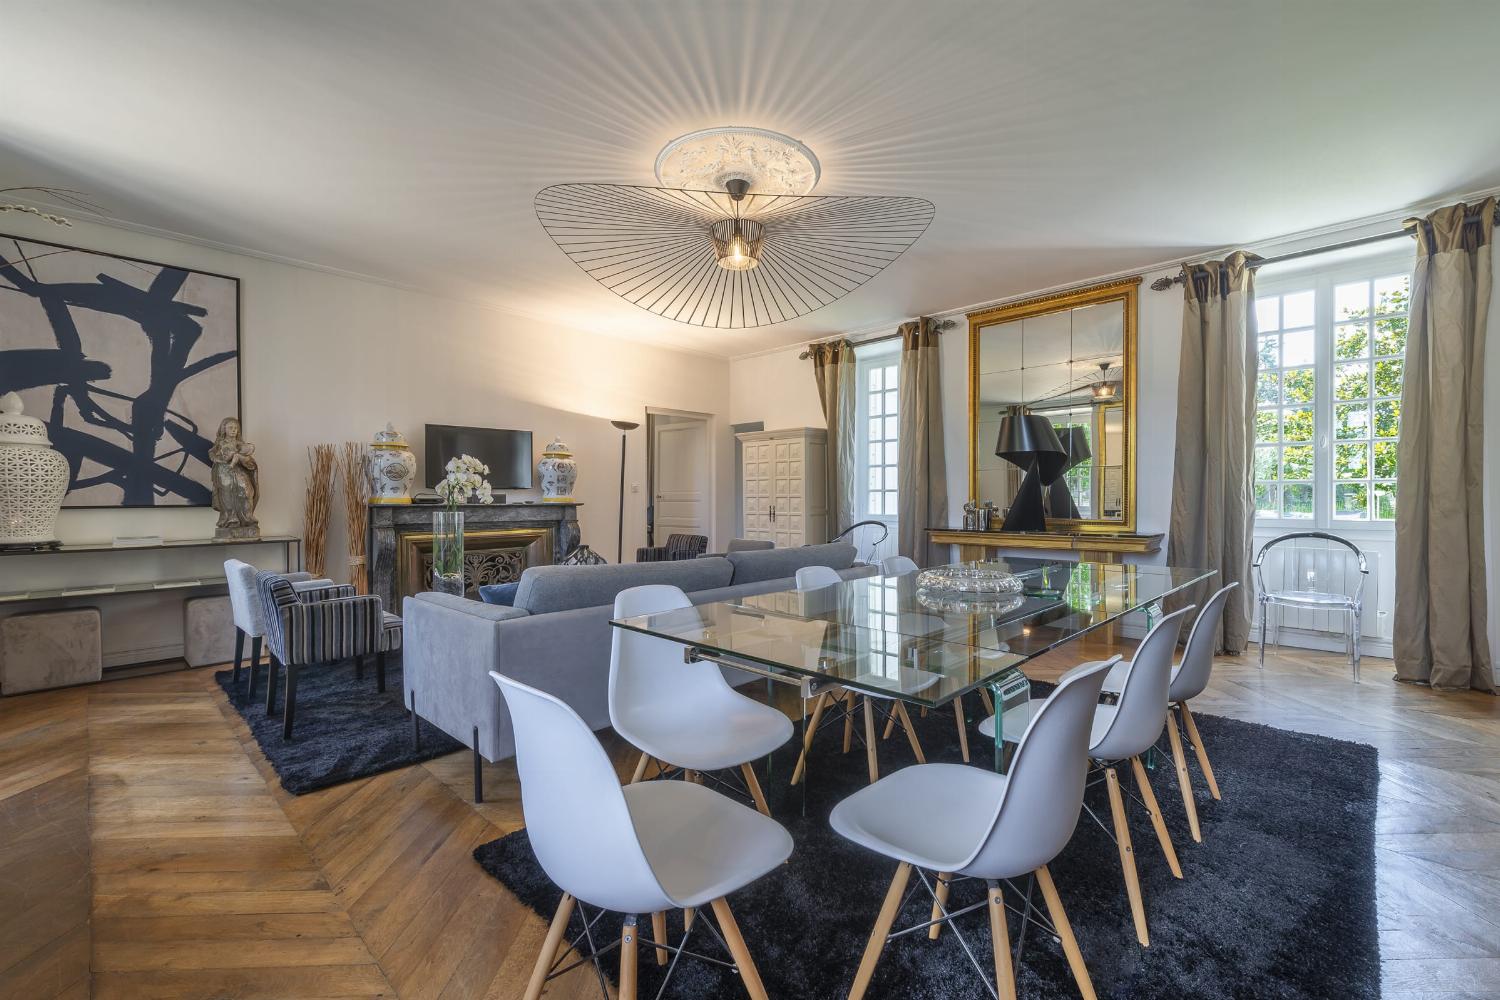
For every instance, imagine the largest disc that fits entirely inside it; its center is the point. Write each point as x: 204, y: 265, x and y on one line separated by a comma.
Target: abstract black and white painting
x: 131, y: 364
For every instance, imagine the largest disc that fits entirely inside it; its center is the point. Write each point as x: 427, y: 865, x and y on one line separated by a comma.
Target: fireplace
x: 500, y: 541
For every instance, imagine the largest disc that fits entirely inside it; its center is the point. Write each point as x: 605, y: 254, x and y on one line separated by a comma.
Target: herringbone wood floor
x: 147, y: 850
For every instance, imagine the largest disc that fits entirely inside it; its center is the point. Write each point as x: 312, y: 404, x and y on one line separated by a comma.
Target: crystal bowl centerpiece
x: 972, y: 579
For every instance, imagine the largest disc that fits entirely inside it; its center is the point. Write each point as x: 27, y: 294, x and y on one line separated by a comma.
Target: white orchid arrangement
x: 465, y: 478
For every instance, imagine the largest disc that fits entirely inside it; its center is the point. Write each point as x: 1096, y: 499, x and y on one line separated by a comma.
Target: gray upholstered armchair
x: 304, y: 632
x: 245, y: 607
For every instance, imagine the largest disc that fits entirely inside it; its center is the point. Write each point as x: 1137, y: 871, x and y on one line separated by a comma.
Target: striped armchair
x: 677, y: 547
x: 318, y: 627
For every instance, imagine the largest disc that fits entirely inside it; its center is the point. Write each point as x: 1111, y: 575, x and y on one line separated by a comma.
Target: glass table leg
x: 999, y: 690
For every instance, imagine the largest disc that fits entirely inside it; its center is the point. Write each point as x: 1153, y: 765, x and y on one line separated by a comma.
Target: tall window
x: 1329, y: 393
x: 877, y: 371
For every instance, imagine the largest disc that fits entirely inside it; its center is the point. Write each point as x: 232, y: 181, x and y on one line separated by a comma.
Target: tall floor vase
x: 448, y: 552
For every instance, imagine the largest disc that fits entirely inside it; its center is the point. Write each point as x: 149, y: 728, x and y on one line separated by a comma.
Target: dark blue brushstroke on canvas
x: 144, y: 472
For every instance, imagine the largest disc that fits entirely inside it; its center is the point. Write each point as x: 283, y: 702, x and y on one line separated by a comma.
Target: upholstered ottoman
x: 48, y: 649
x: 207, y: 631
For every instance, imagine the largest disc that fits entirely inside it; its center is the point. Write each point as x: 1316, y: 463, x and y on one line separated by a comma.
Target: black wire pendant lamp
x: 733, y: 239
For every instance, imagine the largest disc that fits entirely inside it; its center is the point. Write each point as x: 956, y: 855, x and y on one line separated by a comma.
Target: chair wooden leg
x: 989, y: 703
x: 640, y: 767
x: 871, y: 762
x: 380, y: 671
x: 239, y: 652
x: 911, y: 733
x: 359, y: 668
x: 628, y: 957
x: 753, y: 784
x: 848, y: 720
x: 1184, y: 782
x: 749, y: 974
x: 883, y: 923
x: 1127, y: 856
x: 289, y: 711
x: 1005, y: 975
x: 939, y: 904
x: 688, y: 914
x: 272, y: 669
x: 807, y: 737
x: 548, y: 954
x: 1065, y: 933
x: 963, y: 727
x: 1198, y: 748
x: 254, y: 670
x: 890, y: 725
x: 1160, y: 825
x: 659, y: 935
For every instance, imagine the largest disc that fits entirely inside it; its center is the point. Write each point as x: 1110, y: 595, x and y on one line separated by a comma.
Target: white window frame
x: 1322, y: 280
x: 867, y: 357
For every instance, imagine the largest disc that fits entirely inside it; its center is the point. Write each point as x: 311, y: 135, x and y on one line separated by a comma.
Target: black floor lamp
x: 624, y: 426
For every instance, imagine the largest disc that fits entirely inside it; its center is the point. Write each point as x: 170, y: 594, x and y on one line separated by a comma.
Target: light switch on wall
x: 635, y: 487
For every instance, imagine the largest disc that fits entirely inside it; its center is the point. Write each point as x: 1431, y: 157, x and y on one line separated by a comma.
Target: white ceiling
x: 1059, y: 139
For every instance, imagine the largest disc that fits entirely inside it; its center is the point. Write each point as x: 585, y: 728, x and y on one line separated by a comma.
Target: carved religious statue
x: 236, y: 482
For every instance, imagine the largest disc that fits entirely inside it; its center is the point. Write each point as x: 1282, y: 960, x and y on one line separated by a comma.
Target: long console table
x: 1090, y: 546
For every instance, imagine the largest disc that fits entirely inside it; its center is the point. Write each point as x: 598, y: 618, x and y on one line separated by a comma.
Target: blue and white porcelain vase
x: 392, y: 467
x: 559, y: 472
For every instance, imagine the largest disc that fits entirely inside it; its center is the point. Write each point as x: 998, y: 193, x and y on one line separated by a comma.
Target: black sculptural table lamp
x: 1075, y: 441
x: 1029, y: 442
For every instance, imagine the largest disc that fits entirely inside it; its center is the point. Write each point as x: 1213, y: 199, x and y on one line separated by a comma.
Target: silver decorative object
x: 392, y: 467
x: 559, y: 471
x: 976, y: 578
x: 33, y: 479
x: 236, y: 483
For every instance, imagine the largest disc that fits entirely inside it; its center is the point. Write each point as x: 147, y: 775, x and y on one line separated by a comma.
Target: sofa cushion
x: 503, y: 594
x: 775, y: 564
x: 545, y: 589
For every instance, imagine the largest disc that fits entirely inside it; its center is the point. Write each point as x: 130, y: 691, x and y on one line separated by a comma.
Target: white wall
x: 776, y: 388
x: 330, y: 358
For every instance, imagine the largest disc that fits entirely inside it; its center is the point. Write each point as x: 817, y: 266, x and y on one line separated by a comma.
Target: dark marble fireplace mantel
x: 386, y: 522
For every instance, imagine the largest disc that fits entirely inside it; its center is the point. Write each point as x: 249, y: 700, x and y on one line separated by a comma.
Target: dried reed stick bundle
x: 316, y: 505
x: 354, y: 474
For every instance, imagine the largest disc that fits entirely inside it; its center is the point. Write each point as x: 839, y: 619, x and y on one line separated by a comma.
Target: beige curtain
x: 923, y: 497
x: 1213, y: 503
x: 1440, y: 628
x: 833, y: 367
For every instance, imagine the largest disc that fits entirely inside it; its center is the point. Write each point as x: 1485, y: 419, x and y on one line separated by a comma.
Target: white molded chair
x: 644, y: 848
x: 897, y: 566
x: 1122, y: 732
x: 971, y: 823
x: 1189, y: 679
x: 846, y: 699
x: 683, y: 715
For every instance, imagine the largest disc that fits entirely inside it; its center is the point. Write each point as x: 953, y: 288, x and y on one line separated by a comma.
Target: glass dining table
x: 926, y: 637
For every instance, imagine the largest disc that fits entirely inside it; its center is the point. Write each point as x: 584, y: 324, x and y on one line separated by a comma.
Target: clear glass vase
x: 448, y: 552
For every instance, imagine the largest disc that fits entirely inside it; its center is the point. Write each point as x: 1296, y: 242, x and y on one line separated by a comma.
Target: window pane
x: 890, y: 403
x: 876, y: 424
x: 1298, y: 348
x: 1266, y: 499
x: 1393, y: 294
x: 1297, y: 310
x: 1266, y: 318
x: 1390, y: 335
x: 876, y: 454
x: 1352, y: 340
x: 1297, y: 500
x: 876, y: 504
x: 877, y: 477
x: 1388, y: 377
x: 892, y: 428
x: 1351, y: 461
x: 1270, y: 355
x: 1352, y: 381
x: 1265, y: 426
x: 1299, y: 385
x: 1388, y: 418
x: 876, y: 377
x: 1297, y: 462
x: 1297, y: 424
x: 891, y: 506
x: 1351, y: 420
x: 1268, y: 388
x: 1351, y: 301
x: 1385, y: 501
x: 890, y: 453
x: 1351, y: 501
x: 1385, y: 459
x: 1265, y: 463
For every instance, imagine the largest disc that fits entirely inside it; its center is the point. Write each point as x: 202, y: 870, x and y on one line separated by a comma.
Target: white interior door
x: 681, y: 477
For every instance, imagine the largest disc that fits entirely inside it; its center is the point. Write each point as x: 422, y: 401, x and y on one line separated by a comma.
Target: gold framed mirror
x: 1069, y: 358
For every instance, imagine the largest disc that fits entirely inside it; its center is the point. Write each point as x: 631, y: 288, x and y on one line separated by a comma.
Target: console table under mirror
x: 1052, y: 418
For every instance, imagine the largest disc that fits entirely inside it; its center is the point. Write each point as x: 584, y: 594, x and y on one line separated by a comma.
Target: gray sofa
x: 557, y: 636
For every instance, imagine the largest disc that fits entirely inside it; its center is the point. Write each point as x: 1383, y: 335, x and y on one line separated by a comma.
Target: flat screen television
x: 507, y: 453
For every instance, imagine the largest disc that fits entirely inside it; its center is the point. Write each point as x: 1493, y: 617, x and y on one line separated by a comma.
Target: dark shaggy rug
x: 1278, y: 902
x: 344, y: 730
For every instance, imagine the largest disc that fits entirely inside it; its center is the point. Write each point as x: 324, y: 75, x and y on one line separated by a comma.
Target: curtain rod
x: 946, y: 324
x: 1162, y: 284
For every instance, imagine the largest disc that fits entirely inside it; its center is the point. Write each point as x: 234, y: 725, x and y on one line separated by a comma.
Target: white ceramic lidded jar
x: 559, y: 473
x: 33, y: 479
x: 392, y: 467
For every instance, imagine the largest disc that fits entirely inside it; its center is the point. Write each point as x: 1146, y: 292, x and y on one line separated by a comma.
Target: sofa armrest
x: 329, y: 630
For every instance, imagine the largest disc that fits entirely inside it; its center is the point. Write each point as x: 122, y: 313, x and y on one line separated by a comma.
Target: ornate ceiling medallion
x: 732, y: 239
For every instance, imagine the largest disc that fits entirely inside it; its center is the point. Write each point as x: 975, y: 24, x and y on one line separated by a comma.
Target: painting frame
x: 13, y: 241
